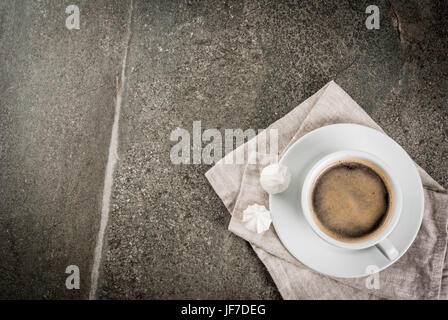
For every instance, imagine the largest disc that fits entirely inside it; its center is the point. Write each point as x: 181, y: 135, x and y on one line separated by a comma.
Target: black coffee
x: 351, y: 201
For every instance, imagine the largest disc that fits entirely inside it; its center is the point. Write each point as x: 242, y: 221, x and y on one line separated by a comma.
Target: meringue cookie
x: 257, y: 218
x: 275, y: 178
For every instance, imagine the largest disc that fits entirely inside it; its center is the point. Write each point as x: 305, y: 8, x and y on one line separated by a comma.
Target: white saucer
x: 296, y: 234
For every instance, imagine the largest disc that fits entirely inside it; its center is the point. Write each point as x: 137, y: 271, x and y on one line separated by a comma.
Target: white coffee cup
x: 380, y: 239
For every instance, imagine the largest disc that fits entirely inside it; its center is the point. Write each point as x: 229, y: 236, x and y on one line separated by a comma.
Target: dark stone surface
x: 230, y: 64
x: 415, y: 111
x: 57, y: 92
x: 234, y: 65
x: 167, y: 237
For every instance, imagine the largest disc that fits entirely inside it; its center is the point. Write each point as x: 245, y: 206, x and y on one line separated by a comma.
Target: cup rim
x: 323, y: 163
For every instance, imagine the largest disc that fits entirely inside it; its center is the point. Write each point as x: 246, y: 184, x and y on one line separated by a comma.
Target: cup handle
x: 388, y: 249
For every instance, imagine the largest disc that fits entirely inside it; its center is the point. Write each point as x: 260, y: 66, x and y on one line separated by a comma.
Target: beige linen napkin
x: 421, y: 273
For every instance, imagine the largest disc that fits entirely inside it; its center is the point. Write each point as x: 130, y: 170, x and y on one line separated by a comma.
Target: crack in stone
x: 346, y: 68
x: 111, y: 162
x: 395, y: 20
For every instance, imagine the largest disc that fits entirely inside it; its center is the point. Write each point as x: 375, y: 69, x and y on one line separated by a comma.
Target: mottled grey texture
x: 234, y: 64
x: 57, y: 103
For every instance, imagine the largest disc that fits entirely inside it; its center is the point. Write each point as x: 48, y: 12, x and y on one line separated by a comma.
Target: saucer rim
x: 411, y: 237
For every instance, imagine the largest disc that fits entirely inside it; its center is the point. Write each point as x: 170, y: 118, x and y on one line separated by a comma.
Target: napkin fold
x: 422, y: 273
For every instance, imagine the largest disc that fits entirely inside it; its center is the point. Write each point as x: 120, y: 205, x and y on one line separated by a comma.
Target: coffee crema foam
x: 351, y: 200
